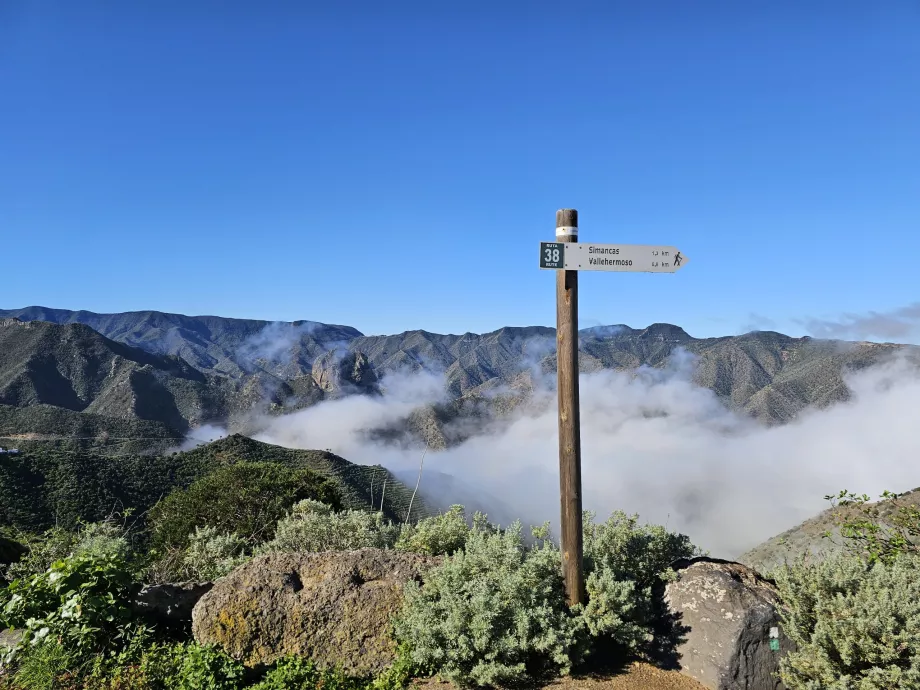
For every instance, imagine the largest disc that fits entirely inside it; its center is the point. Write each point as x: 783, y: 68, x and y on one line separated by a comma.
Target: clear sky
x: 394, y: 165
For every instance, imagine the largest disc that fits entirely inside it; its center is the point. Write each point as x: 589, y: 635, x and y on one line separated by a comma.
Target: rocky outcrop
x: 341, y: 373
x: 170, y: 604
x: 727, y: 615
x: 332, y: 607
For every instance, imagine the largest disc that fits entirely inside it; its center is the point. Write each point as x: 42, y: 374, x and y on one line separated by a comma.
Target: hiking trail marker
x: 568, y: 256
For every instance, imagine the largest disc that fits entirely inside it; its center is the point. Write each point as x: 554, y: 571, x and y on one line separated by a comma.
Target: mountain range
x: 157, y: 375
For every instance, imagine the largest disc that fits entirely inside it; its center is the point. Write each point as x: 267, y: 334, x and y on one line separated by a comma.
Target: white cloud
x: 721, y: 478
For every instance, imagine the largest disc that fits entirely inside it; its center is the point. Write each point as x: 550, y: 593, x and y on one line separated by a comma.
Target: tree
x: 247, y: 499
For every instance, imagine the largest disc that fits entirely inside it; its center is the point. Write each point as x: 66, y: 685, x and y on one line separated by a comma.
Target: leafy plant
x: 247, y: 499
x: 82, y: 602
x: 856, y: 624
x: 292, y: 673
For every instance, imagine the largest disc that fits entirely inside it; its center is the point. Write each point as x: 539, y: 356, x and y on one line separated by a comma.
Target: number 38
x: 552, y: 255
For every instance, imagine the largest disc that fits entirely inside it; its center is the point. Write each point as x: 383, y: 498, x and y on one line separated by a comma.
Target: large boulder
x: 725, y: 615
x: 170, y: 604
x: 338, y: 373
x: 333, y: 607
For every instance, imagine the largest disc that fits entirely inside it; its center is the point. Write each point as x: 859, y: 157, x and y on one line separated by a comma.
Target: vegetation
x: 493, y: 612
x: 878, y: 531
x: 856, y: 624
x: 63, y: 484
x: 855, y: 616
x: 246, y: 499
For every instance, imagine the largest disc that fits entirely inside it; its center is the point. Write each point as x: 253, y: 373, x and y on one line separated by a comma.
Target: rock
x: 333, y: 607
x: 9, y: 638
x: 170, y: 604
x: 351, y: 372
x: 724, y: 616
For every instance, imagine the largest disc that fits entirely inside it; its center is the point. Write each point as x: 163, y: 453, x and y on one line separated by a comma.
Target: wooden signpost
x: 567, y: 256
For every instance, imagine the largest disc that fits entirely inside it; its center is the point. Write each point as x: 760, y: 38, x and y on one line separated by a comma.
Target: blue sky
x: 394, y: 166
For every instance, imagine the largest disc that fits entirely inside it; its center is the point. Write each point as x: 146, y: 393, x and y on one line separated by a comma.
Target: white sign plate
x: 636, y: 258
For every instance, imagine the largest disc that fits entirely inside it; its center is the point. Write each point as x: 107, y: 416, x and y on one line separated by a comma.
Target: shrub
x: 879, y: 532
x: 624, y: 561
x: 83, y: 602
x: 247, y: 499
x: 856, y: 624
x: 94, y: 539
x: 211, y: 555
x: 313, y: 526
x: 441, y: 535
x: 493, y: 613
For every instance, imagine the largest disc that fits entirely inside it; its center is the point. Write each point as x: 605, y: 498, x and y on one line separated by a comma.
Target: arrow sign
x: 635, y: 258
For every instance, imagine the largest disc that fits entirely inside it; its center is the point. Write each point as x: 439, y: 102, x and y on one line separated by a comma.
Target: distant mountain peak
x: 666, y: 331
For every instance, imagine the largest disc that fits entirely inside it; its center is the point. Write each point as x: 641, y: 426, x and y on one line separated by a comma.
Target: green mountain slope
x: 55, y: 483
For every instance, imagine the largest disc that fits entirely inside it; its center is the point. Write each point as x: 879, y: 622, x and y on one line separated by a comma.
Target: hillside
x: 357, y: 483
x: 68, y: 380
x: 807, y: 538
x: 58, y: 484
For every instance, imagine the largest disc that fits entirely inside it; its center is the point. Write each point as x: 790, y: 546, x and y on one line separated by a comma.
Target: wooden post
x: 569, y: 419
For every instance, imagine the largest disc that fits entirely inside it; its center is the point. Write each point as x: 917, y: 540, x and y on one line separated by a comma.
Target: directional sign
x: 637, y: 258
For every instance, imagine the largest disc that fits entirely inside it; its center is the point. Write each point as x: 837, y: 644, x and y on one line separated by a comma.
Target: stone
x: 725, y: 615
x: 170, y: 604
x: 9, y: 638
x: 333, y: 607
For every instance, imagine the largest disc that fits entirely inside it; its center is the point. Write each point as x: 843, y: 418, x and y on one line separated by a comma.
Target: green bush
x: 856, y: 624
x: 494, y: 612
x: 441, y: 535
x: 98, y: 538
x: 313, y: 526
x: 83, y: 602
x: 624, y: 561
x: 247, y: 499
x: 211, y: 555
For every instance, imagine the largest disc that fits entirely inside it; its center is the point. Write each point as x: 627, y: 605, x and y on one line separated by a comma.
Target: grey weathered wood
x: 569, y: 420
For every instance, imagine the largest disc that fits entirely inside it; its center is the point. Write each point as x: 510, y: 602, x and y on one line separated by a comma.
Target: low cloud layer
x: 655, y: 444
x: 898, y: 325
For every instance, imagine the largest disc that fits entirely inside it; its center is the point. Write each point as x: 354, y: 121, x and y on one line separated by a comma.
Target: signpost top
x: 633, y: 258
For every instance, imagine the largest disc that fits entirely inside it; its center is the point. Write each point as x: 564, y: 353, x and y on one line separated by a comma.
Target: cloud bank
x: 653, y: 443
x: 899, y: 325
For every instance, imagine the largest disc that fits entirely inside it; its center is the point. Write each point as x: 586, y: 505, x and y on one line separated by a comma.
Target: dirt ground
x: 636, y: 676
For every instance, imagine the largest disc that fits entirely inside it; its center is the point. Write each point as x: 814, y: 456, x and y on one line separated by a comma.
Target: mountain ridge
x: 247, y: 365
